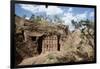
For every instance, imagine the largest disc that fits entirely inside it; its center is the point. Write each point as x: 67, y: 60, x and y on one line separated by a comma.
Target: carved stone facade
x: 50, y: 43
x: 35, y: 39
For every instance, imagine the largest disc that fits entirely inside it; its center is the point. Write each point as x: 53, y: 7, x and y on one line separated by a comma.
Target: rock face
x: 33, y: 39
x: 45, y: 44
x: 75, y: 49
x: 24, y: 49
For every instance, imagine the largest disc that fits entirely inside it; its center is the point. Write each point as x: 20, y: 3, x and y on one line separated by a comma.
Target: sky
x: 65, y: 13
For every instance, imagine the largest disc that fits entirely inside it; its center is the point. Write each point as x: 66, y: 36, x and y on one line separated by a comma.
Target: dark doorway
x: 39, y: 48
x: 58, y: 45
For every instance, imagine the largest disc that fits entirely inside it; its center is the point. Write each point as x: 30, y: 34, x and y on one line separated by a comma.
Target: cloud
x: 91, y: 14
x: 51, y: 10
x: 33, y: 8
x: 27, y: 18
x: 70, y: 10
x: 82, y: 16
x: 69, y: 16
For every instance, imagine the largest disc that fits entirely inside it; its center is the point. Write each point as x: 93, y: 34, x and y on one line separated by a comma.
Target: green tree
x: 58, y: 19
x: 75, y: 24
